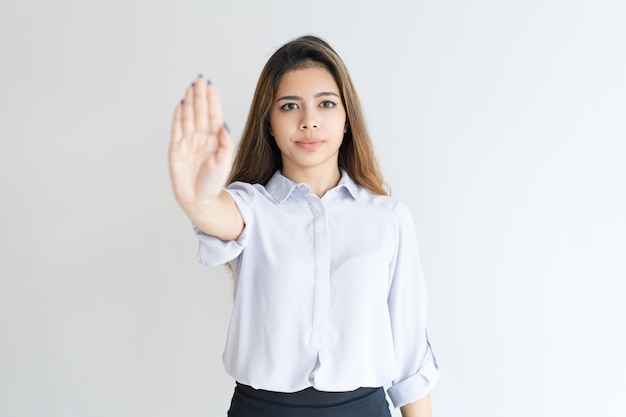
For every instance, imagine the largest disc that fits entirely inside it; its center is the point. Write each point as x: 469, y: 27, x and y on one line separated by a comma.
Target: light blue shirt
x: 328, y: 292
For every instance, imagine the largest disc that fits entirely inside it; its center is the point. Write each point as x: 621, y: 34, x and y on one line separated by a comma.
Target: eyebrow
x: 318, y: 95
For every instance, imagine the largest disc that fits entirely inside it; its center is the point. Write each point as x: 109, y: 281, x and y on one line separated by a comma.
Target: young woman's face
x: 308, y: 120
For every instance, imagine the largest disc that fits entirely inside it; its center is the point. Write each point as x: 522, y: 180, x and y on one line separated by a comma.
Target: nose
x: 309, y: 121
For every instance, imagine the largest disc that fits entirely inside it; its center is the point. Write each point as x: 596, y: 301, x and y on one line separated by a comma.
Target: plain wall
x: 500, y: 124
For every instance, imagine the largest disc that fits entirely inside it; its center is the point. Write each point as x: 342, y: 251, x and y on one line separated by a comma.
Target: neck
x: 319, y: 181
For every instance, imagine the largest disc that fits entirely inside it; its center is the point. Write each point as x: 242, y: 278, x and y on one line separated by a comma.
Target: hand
x: 200, y: 155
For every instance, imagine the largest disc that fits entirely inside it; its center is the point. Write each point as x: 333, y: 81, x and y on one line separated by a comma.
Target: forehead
x: 311, y: 79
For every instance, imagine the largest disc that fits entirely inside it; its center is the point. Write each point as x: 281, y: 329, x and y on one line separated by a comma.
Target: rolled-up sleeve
x: 214, y: 251
x: 417, y: 367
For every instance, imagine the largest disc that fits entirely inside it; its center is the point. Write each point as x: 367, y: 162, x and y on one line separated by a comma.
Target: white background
x: 500, y: 123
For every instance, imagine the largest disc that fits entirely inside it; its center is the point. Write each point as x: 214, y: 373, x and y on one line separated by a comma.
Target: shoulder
x: 394, y: 207
x: 246, y: 192
x: 365, y: 196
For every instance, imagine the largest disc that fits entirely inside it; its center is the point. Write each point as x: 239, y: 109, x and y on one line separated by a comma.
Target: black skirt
x: 363, y: 402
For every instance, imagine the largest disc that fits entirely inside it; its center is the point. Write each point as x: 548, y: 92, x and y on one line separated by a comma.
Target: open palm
x: 200, y: 155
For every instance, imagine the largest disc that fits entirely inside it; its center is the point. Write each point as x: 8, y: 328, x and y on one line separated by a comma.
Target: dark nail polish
x: 208, y: 82
x: 226, y: 127
x: 193, y: 84
x: 199, y: 75
x: 182, y: 101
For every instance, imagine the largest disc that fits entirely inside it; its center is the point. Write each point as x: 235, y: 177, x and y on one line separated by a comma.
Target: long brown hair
x: 258, y: 156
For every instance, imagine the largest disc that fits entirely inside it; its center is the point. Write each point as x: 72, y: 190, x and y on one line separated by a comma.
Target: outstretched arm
x: 200, y: 160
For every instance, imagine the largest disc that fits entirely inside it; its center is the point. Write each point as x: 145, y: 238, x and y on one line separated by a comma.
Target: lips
x: 310, y: 144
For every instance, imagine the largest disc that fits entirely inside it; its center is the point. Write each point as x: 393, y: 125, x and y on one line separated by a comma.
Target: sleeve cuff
x: 416, y: 386
x: 214, y: 251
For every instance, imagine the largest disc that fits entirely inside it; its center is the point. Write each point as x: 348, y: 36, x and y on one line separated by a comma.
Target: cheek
x: 279, y: 125
x: 281, y: 132
x: 272, y: 123
x: 342, y: 123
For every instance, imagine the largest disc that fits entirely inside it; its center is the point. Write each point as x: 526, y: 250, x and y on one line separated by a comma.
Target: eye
x: 289, y: 107
x: 327, y: 104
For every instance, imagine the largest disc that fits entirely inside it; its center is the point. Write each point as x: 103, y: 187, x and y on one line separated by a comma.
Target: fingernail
x: 199, y: 75
x: 182, y: 101
x: 208, y: 82
x: 226, y: 127
x: 193, y: 84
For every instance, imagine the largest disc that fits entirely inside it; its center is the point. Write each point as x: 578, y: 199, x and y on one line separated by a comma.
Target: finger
x: 201, y: 111
x: 216, y: 119
x: 188, y: 113
x: 177, y: 127
x: 225, y: 145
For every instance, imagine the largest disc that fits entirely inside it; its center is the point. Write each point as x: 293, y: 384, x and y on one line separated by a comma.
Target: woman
x: 329, y: 302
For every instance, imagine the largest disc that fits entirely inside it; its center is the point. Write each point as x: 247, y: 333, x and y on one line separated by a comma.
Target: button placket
x: 321, y: 273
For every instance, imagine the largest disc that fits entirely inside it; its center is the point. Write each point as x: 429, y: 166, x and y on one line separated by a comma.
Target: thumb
x: 224, y: 145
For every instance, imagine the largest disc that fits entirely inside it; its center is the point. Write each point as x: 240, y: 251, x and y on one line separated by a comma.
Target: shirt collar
x: 281, y: 187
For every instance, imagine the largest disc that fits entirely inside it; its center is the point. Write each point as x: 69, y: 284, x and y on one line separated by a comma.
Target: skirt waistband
x: 308, y: 396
